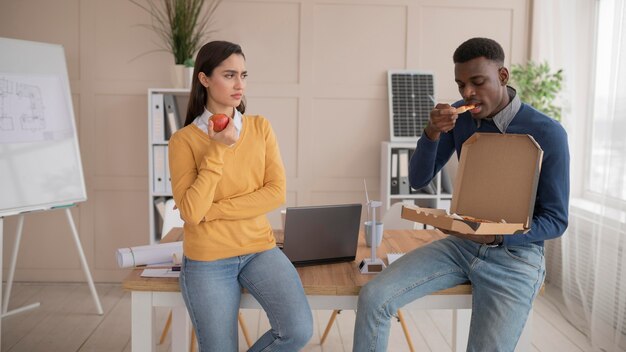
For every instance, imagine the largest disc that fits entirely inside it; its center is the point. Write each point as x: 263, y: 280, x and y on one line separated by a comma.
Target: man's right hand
x: 442, y: 119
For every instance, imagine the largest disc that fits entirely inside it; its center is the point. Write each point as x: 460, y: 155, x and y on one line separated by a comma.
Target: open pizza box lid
x: 496, y: 181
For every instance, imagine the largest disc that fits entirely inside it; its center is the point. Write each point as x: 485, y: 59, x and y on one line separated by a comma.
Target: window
x: 606, y: 175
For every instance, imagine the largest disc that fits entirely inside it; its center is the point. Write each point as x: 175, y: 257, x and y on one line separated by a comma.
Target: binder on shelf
x: 403, y: 171
x: 159, y: 204
x: 395, y: 186
x: 171, y: 114
x: 430, y: 188
x: 159, y: 215
x: 411, y: 189
x: 168, y: 178
x: 158, y: 118
x: 158, y: 168
x: 446, y: 181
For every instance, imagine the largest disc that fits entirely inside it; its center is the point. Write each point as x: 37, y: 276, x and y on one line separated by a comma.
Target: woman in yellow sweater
x: 224, y: 183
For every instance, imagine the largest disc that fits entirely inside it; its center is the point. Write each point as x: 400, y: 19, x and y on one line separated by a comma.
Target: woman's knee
x: 299, y: 334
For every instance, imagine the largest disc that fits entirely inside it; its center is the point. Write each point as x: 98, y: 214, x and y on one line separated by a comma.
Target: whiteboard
x: 40, y: 165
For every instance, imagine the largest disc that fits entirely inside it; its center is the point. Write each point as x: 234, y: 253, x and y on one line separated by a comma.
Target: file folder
x: 171, y: 114
x: 411, y: 189
x: 168, y: 178
x: 159, y: 215
x: 158, y: 167
x: 158, y: 119
x: 159, y: 205
x: 446, y: 181
x: 403, y: 171
x: 395, y: 186
x: 430, y: 188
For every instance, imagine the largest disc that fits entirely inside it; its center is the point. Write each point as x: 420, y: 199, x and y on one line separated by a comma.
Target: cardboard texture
x: 496, y: 181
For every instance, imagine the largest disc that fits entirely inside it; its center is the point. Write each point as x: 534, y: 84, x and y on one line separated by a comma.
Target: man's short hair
x: 477, y: 47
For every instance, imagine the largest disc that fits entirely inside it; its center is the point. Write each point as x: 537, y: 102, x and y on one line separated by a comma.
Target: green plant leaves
x: 182, y: 25
x: 538, y: 86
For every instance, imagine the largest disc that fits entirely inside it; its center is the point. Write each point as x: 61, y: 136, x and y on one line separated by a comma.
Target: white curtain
x: 590, y: 264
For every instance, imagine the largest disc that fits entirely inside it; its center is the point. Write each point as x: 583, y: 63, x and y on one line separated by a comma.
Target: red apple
x: 220, y: 121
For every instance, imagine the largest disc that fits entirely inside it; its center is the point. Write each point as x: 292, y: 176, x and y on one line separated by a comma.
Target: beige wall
x: 317, y: 71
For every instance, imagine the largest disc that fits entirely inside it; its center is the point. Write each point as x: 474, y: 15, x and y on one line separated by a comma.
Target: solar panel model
x: 411, y: 98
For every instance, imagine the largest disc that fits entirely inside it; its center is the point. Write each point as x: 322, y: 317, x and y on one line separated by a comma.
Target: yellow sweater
x: 223, y: 193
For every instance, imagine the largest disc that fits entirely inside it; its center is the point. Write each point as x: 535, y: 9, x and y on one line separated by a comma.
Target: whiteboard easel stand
x: 18, y: 237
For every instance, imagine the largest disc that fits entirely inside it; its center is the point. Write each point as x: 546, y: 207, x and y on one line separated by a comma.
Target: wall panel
x: 269, y: 35
x: 348, y: 132
x: 54, y: 22
x: 120, y: 144
x: 121, y: 221
x: 125, y: 49
x: 283, y: 115
x: 356, y: 43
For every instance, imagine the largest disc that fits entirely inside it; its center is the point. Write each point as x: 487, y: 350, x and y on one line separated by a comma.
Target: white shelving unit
x: 159, y: 189
x: 439, y: 199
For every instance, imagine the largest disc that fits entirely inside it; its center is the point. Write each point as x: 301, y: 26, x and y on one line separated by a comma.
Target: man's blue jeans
x: 212, y: 292
x: 505, y: 281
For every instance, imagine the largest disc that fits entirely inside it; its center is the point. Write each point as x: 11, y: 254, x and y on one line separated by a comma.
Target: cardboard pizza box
x: 494, y: 189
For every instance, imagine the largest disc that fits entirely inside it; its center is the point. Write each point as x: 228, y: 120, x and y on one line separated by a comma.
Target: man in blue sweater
x: 506, y: 272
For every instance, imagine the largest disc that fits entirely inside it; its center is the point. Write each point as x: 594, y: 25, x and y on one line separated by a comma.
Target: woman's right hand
x: 226, y: 136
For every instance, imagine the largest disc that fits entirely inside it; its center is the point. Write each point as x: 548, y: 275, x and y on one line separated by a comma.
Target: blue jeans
x: 505, y: 281
x: 212, y: 292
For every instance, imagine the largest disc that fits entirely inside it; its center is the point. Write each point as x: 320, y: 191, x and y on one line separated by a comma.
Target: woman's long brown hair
x: 210, y: 56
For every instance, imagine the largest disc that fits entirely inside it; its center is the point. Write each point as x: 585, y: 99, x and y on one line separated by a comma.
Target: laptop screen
x: 322, y: 234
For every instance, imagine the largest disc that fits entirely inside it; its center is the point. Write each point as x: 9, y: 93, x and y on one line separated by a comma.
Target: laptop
x: 322, y: 234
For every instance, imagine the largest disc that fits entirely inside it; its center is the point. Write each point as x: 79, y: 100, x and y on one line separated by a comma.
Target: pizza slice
x: 464, y: 108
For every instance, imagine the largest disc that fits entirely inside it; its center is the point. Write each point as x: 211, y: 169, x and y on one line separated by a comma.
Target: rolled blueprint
x: 151, y: 254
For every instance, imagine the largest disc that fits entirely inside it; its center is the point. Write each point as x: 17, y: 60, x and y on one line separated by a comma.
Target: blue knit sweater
x: 552, y: 200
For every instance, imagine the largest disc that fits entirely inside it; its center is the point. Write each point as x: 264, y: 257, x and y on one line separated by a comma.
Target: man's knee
x: 371, y: 297
x: 367, y: 296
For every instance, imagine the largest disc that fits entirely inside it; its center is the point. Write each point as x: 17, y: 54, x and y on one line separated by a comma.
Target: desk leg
x: 181, y: 331
x: 460, y: 329
x: 525, y: 340
x: 142, y: 322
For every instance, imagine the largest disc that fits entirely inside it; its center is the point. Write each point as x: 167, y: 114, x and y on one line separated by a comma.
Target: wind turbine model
x: 372, y: 265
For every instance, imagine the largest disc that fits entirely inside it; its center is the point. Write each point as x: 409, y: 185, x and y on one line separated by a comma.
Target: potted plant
x: 538, y: 86
x: 188, y: 75
x: 182, y: 26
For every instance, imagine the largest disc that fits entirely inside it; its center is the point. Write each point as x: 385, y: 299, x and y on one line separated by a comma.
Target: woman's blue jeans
x: 211, y: 290
x: 505, y: 281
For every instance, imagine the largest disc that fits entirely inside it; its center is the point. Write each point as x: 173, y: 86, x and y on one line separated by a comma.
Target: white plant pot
x: 188, y: 77
x: 178, y: 74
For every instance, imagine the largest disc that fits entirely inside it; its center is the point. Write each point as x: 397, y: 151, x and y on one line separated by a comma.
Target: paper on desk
x: 151, y: 254
x: 392, y: 257
x: 166, y: 272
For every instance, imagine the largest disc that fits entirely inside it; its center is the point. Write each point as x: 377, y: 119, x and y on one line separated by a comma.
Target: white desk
x: 332, y: 286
